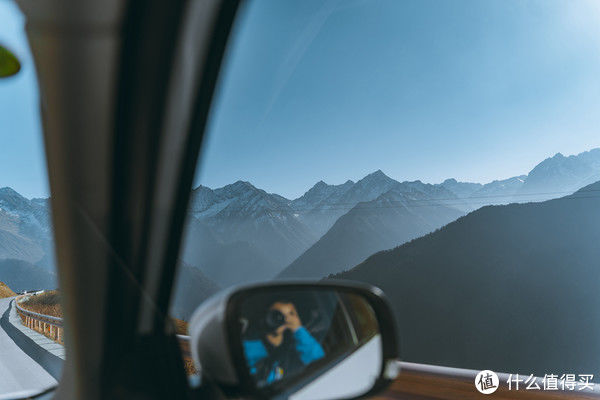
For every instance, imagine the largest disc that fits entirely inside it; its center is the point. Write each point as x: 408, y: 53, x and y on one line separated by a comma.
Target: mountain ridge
x: 394, y: 217
x: 244, y: 217
x: 464, y: 286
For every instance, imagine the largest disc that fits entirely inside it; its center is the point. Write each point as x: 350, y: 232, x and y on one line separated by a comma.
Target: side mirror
x: 324, y: 340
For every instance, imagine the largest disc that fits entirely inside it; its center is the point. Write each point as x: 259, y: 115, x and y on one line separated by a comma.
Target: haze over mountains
x: 23, y: 275
x: 240, y: 233
x: 405, y: 211
x: 26, y: 254
x: 505, y: 286
x: 25, y: 231
x: 192, y: 287
x: 554, y: 177
x: 240, y: 225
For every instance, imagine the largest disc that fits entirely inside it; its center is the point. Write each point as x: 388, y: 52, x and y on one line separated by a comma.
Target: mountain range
x: 25, y: 231
x: 504, y: 286
x: 554, y: 177
x: 21, y: 275
x: 240, y: 233
x: 404, y: 212
x: 26, y: 247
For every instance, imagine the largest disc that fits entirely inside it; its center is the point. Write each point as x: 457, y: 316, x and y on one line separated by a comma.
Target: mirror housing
x: 224, y: 327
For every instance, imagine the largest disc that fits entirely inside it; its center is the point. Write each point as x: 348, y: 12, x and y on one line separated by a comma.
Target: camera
x: 273, y: 320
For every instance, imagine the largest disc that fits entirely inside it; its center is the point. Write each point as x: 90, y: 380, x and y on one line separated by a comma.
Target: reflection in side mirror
x: 288, y: 334
x: 299, y: 341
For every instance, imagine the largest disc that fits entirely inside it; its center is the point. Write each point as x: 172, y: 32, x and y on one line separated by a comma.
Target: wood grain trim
x: 429, y: 382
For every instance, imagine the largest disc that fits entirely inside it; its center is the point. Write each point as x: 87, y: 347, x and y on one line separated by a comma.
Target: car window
x: 446, y: 152
x: 31, y: 335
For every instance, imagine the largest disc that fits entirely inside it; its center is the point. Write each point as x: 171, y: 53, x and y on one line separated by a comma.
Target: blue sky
x: 22, y: 161
x: 335, y: 89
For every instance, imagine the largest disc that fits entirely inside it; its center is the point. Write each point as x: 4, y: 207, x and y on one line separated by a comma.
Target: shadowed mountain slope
x: 395, y: 217
x: 191, y: 288
x: 239, y: 233
x: 21, y: 275
x: 510, y: 288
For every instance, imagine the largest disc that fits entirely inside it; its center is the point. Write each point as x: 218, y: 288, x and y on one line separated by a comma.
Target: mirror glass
x: 324, y: 343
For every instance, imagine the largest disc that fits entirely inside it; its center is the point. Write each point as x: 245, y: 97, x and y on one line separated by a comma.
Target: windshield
x: 446, y: 152
x: 31, y: 336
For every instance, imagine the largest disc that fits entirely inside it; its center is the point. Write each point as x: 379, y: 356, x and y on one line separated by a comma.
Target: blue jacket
x: 308, y: 349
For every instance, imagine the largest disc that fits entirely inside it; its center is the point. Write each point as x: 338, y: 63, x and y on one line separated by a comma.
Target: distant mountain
x: 225, y: 263
x: 508, y: 288
x: 368, y: 188
x: 554, y: 177
x: 321, y: 206
x: 406, y: 211
x: 319, y: 193
x: 342, y: 198
x: 440, y: 193
x: 32, y: 215
x: 16, y: 246
x: 498, y: 192
x: 560, y: 175
x: 462, y: 190
x: 239, y: 233
x: 202, y: 198
x: 25, y: 229
x: 191, y: 288
x: 21, y: 275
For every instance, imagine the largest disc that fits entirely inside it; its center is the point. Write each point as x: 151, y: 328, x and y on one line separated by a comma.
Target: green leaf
x: 9, y: 63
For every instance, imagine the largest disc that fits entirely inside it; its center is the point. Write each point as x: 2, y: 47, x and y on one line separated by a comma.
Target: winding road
x: 19, y: 374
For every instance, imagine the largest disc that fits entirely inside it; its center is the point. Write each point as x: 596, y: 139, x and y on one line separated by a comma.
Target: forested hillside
x: 510, y: 288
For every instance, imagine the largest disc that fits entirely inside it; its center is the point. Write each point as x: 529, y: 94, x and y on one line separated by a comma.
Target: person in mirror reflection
x: 285, y: 348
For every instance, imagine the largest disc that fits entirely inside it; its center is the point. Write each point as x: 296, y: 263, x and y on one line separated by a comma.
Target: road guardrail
x: 184, y: 344
x: 52, y: 327
x: 49, y: 326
